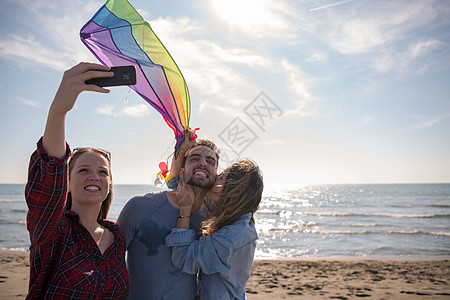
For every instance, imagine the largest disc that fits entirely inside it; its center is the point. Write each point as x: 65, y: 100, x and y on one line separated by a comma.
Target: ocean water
x: 379, y: 220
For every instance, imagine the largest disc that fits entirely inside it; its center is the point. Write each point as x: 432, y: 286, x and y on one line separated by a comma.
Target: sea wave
x: 18, y: 210
x: 13, y: 222
x: 391, y: 215
x: 283, y: 213
x: 388, y: 215
x: 439, y: 233
x: 328, y: 214
x: 13, y: 249
x: 305, y: 227
x: 12, y: 200
x: 405, y: 232
x: 362, y: 225
x: 268, y: 212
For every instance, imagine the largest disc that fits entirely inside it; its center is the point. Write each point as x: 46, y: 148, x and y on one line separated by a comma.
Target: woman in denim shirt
x: 223, y: 256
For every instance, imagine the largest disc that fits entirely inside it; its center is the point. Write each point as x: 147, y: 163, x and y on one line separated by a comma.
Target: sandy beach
x: 348, y: 278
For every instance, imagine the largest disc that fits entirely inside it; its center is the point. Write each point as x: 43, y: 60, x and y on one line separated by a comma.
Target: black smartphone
x: 123, y: 75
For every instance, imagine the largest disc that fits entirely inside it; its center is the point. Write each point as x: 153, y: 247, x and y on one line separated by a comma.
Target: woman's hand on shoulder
x: 184, y: 193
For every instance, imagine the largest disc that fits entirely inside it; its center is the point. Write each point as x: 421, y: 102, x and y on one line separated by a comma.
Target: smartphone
x: 123, y: 75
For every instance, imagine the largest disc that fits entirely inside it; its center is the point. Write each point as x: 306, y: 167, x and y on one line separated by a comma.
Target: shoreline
x: 20, y: 251
x: 302, y: 278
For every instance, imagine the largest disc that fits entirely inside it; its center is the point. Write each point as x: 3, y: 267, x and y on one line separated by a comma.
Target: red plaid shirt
x: 65, y: 261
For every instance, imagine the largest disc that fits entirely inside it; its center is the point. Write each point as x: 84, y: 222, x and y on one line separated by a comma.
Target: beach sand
x: 14, y: 274
x: 349, y: 278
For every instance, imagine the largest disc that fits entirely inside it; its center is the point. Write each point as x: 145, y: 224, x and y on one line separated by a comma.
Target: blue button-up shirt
x: 224, y: 259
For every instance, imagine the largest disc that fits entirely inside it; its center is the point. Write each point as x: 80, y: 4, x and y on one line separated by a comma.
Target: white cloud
x: 431, y: 122
x: 219, y: 74
x: 368, y: 119
x: 166, y: 28
x: 318, y: 57
x: 407, y: 60
x: 193, y: 50
x: 255, y: 18
x: 366, y: 29
x: 29, y: 102
x: 358, y: 36
x: 54, y: 39
x: 212, y: 70
x: 137, y: 111
x: 387, y: 35
x: 106, y: 109
x: 28, y: 51
x: 302, y: 97
x: 421, y: 48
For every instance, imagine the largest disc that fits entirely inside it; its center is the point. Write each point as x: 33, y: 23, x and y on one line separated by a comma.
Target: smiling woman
x: 68, y: 202
x: 93, y: 167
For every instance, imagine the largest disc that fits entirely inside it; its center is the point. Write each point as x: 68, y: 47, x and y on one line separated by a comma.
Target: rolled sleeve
x: 211, y: 255
x: 46, y: 192
x: 173, y: 182
x: 180, y: 237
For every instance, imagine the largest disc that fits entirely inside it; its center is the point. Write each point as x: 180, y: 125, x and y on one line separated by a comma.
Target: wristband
x: 181, y: 217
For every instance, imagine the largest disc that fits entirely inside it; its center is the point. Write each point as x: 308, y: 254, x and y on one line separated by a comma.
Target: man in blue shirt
x: 147, y: 220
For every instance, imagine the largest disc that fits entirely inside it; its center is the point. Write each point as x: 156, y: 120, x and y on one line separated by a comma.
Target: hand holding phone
x: 123, y: 75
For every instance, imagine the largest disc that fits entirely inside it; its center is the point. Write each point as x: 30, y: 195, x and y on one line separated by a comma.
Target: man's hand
x: 177, y: 161
x: 189, y: 141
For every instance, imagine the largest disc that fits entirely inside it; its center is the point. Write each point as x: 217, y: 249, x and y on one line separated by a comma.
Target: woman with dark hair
x: 75, y: 253
x: 223, y: 256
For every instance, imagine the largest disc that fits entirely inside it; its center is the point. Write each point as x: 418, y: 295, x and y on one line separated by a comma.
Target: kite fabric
x: 117, y: 35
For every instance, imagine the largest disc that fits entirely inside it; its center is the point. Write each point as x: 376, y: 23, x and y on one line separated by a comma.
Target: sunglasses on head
x: 103, y: 152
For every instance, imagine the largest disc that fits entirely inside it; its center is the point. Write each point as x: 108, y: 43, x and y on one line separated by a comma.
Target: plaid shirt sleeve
x: 46, y: 193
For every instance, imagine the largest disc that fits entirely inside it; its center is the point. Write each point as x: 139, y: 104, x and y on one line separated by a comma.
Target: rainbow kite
x: 117, y: 35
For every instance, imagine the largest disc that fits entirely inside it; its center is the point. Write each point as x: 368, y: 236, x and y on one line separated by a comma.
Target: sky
x: 314, y: 91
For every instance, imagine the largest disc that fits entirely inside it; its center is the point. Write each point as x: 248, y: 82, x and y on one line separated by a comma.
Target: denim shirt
x: 224, y: 258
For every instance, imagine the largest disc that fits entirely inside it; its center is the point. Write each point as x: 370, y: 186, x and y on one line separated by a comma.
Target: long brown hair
x: 242, y: 193
x: 106, y: 204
